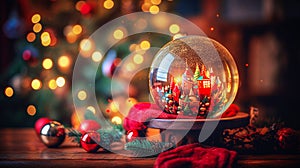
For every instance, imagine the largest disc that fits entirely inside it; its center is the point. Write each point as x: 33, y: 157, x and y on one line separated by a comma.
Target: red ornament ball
x: 88, y: 125
x: 53, y: 134
x: 40, y: 123
x: 131, y: 135
x: 90, y: 141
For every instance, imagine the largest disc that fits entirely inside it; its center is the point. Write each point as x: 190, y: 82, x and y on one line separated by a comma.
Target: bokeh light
x: 37, y: 27
x: 116, y: 120
x: 36, y: 18
x: 47, y: 63
x: 31, y: 110
x: 52, y: 84
x: 92, y: 109
x: 118, y: 34
x: 155, y: 2
x: 30, y: 37
x: 154, y: 9
x: 36, y: 84
x: 145, y: 7
x: 60, y: 81
x: 174, y: 28
x: 108, y: 4
x: 130, y: 66
x: 9, y: 92
x: 82, y: 95
x: 64, y: 61
x: 138, y: 59
x: 97, y: 56
x: 79, y: 5
x: 145, y: 45
x: 85, y: 45
x: 45, y: 39
x: 77, y: 29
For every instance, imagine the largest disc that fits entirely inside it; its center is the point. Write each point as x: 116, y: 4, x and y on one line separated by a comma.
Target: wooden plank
x: 22, y: 148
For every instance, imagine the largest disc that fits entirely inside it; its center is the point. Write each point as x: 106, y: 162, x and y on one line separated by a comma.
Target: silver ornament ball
x: 53, y: 134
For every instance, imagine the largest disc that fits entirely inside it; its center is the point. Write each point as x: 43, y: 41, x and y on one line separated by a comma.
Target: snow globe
x: 195, y: 79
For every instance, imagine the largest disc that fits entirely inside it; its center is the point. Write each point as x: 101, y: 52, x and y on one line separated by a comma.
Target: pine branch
x: 108, y: 136
x: 146, y: 147
x: 74, y: 135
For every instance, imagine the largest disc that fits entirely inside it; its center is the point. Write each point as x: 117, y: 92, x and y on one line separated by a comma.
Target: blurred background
x: 40, y: 41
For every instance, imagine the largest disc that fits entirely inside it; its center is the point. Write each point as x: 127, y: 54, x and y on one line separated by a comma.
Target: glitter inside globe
x: 193, y: 76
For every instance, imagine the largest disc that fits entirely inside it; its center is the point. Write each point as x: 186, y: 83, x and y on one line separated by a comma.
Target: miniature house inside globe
x: 193, y: 76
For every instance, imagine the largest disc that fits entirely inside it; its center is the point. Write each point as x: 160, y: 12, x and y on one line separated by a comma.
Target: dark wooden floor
x: 22, y: 148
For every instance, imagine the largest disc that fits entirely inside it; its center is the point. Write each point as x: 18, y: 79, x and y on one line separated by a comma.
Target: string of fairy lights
x: 73, y: 33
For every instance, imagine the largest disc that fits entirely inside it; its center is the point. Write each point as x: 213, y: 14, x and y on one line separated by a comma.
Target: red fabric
x: 231, y: 111
x: 196, y: 156
x: 141, y: 113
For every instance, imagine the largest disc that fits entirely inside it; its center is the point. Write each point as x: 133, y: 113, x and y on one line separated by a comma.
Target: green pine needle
x: 147, y: 148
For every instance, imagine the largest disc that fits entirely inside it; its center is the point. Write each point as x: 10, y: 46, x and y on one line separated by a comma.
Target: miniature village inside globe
x: 193, y: 76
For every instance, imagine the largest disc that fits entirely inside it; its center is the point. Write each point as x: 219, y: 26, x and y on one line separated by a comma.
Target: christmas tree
x: 48, y: 37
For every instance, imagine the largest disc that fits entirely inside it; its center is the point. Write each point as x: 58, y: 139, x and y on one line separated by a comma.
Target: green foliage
x: 147, y: 148
x: 108, y: 136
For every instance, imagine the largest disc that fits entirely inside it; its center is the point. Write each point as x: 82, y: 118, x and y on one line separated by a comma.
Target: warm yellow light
x: 81, y: 95
x: 36, y: 18
x: 154, y: 9
x: 77, y: 29
x: 52, y: 84
x: 130, y: 66
x: 45, y: 39
x: 138, y: 59
x: 64, y: 61
x: 118, y: 34
x: 145, y: 7
x: 37, y: 27
x: 174, y: 28
x: 155, y: 2
x: 71, y: 37
x: 116, y: 120
x: 97, y: 56
x: 36, y: 84
x: 60, y: 81
x: 108, y: 4
x: 31, y: 110
x: 85, y: 44
x: 79, y: 5
x: 132, y: 47
x: 145, y: 45
x: 30, y: 37
x: 9, y: 92
x: 92, y: 109
x: 47, y: 63
x: 114, y: 107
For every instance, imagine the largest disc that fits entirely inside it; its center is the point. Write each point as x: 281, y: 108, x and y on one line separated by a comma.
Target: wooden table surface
x: 22, y: 148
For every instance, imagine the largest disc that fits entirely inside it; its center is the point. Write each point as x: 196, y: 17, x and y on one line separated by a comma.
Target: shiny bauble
x: 88, y: 125
x: 53, y: 134
x: 40, y: 123
x: 89, y: 141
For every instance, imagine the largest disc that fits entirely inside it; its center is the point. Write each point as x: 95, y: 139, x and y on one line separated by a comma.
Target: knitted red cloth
x: 143, y: 112
x: 196, y: 156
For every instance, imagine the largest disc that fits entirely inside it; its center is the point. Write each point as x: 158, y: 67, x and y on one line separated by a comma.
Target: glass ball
x: 193, y: 76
